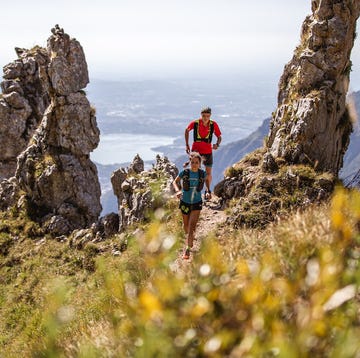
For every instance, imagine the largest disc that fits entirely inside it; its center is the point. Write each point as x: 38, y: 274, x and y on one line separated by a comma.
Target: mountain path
x: 212, y: 215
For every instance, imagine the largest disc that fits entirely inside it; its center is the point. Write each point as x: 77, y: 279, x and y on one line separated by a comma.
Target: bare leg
x: 208, y: 178
x: 186, y: 223
x: 193, y: 219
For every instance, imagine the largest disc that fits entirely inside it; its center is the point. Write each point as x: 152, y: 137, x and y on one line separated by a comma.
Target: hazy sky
x: 160, y: 38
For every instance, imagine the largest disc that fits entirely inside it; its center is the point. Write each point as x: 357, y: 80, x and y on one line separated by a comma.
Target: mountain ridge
x: 288, y: 290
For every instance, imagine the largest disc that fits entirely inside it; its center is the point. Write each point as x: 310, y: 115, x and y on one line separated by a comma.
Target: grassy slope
x: 247, y: 291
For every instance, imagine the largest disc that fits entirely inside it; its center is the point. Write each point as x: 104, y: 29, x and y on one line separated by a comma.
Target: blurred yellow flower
x: 151, y: 304
x: 201, y: 307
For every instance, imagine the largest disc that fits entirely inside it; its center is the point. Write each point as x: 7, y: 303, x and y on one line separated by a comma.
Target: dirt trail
x: 211, y: 216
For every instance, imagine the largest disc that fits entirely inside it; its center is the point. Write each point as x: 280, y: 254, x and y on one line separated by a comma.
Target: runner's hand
x: 179, y: 194
x: 215, y: 146
x: 187, y: 149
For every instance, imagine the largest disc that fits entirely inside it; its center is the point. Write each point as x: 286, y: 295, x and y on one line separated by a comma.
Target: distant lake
x: 121, y: 148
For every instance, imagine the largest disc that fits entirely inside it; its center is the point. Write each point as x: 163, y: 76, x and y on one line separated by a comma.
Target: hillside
x: 274, y: 270
x: 287, y: 289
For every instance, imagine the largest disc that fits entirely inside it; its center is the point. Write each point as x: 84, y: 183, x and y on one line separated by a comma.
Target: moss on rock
x: 259, y: 197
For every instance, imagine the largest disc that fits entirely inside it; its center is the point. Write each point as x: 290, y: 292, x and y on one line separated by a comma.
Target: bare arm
x: 217, y: 144
x: 175, y: 184
x: 187, y: 141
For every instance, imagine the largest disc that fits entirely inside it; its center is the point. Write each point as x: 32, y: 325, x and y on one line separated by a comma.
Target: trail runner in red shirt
x: 204, y: 128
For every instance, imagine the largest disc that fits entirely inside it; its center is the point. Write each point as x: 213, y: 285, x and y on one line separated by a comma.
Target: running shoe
x: 186, y: 255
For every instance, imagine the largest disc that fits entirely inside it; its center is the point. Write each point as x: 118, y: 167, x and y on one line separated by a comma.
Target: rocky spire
x: 67, y: 68
x: 59, y: 181
x: 311, y: 124
x: 310, y: 129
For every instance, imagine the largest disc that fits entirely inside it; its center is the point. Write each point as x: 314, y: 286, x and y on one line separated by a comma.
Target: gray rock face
x: 309, y: 131
x: 68, y: 68
x: 8, y: 193
x: 137, y: 165
x: 25, y: 97
x: 60, y: 182
x: 311, y: 124
x: 141, y: 192
x: 71, y: 124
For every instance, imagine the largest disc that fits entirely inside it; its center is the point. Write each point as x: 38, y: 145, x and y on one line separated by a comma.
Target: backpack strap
x: 186, y: 180
x: 201, y: 182
x: 211, y: 131
x: 198, y: 138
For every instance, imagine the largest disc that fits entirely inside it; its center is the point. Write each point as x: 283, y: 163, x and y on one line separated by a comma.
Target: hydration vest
x: 198, y: 138
x: 186, y: 180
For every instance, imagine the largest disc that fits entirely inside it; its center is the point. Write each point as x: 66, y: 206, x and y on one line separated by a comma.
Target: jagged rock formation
x: 311, y: 124
x: 25, y: 97
x: 138, y: 192
x: 310, y: 129
x: 58, y: 181
x: 67, y: 68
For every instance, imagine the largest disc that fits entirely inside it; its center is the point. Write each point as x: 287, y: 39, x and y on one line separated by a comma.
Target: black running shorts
x: 208, y: 159
x: 186, y: 208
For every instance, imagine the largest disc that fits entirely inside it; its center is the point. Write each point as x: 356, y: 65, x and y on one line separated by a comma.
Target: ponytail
x: 193, y: 155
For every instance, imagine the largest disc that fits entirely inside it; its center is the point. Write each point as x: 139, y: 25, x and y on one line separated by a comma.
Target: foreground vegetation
x: 259, y: 293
